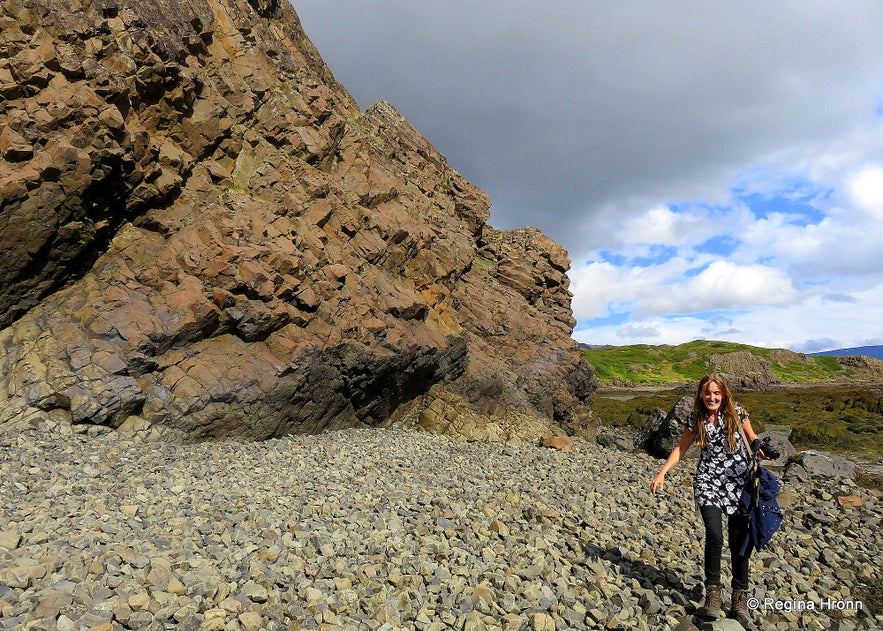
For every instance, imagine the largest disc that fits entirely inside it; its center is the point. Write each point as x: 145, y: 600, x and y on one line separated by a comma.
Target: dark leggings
x: 737, y: 527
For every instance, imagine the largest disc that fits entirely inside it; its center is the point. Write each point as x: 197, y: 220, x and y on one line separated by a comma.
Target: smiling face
x: 712, y: 396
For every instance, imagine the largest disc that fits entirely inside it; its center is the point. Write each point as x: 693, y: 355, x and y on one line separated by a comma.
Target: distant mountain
x: 867, y: 351
x: 595, y: 347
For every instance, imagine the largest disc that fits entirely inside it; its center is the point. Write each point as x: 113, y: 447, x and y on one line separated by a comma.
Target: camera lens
x: 769, y: 449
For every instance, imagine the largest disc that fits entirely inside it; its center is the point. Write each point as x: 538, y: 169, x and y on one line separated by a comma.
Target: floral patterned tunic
x: 720, y: 474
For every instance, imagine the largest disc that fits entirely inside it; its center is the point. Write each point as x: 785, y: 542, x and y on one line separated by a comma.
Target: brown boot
x: 712, y: 607
x: 739, y: 607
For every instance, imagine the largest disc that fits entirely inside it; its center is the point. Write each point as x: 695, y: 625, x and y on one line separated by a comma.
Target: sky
x: 714, y: 169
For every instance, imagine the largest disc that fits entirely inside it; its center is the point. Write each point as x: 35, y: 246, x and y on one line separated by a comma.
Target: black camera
x: 765, y: 445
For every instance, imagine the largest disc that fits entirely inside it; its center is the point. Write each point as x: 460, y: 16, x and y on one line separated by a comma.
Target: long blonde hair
x: 728, y: 407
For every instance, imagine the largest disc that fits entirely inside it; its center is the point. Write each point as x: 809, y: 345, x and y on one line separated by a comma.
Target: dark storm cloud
x: 573, y: 115
x: 697, y: 159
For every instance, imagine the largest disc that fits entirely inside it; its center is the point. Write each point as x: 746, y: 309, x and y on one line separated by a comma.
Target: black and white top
x: 720, y: 475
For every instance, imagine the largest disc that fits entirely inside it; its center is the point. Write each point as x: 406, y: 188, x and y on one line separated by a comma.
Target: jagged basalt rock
x: 662, y: 431
x: 203, y: 234
x: 746, y: 370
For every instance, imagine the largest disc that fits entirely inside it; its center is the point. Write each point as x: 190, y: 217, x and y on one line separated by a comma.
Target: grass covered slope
x: 643, y: 364
x: 831, y: 403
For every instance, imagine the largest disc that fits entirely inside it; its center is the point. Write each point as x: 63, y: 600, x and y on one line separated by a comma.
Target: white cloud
x: 843, y: 247
x: 812, y: 325
x: 866, y: 190
x: 631, y: 332
x: 598, y: 288
x: 722, y: 285
x: 602, y: 288
x: 661, y: 225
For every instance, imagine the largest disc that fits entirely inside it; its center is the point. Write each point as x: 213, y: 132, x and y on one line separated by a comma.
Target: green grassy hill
x: 833, y: 403
x: 642, y: 364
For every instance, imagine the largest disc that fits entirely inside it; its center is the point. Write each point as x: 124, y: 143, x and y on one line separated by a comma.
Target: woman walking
x: 720, y: 427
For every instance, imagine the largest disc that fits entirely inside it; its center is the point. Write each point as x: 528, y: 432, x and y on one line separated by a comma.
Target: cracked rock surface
x: 204, y: 234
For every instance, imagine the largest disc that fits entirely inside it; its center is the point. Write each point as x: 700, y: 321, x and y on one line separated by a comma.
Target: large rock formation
x: 204, y: 236
x: 746, y: 370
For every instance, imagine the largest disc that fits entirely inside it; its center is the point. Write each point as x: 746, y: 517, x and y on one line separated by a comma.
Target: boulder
x: 615, y: 440
x: 724, y: 624
x: 561, y: 443
x: 662, y: 431
x: 850, y: 501
x: 780, y: 437
x: 812, y: 464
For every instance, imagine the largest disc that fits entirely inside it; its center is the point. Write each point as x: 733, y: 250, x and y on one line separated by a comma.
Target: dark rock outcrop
x: 863, y: 364
x: 662, y: 431
x: 615, y: 440
x: 204, y: 236
x: 745, y: 370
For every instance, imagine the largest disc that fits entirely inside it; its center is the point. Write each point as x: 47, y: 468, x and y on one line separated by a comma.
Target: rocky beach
x: 387, y: 529
x: 264, y: 365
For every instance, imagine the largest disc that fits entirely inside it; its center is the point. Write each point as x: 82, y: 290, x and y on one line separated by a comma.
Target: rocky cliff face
x: 204, y: 236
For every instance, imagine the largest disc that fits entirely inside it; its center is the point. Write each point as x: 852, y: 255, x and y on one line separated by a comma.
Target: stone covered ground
x: 394, y: 529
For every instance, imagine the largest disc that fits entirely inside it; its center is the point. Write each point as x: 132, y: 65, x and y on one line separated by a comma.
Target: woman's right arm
x: 673, y: 458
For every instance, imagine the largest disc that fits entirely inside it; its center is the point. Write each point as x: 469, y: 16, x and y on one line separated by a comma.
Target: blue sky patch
x: 617, y: 259
x: 797, y: 198
x: 695, y: 271
x: 698, y: 208
x: 656, y: 255
x: 800, y: 210
x: 719, y: 245
x: 614, y: 319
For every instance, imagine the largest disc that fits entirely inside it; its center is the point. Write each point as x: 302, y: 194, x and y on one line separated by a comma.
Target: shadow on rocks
x: 662, y: 591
